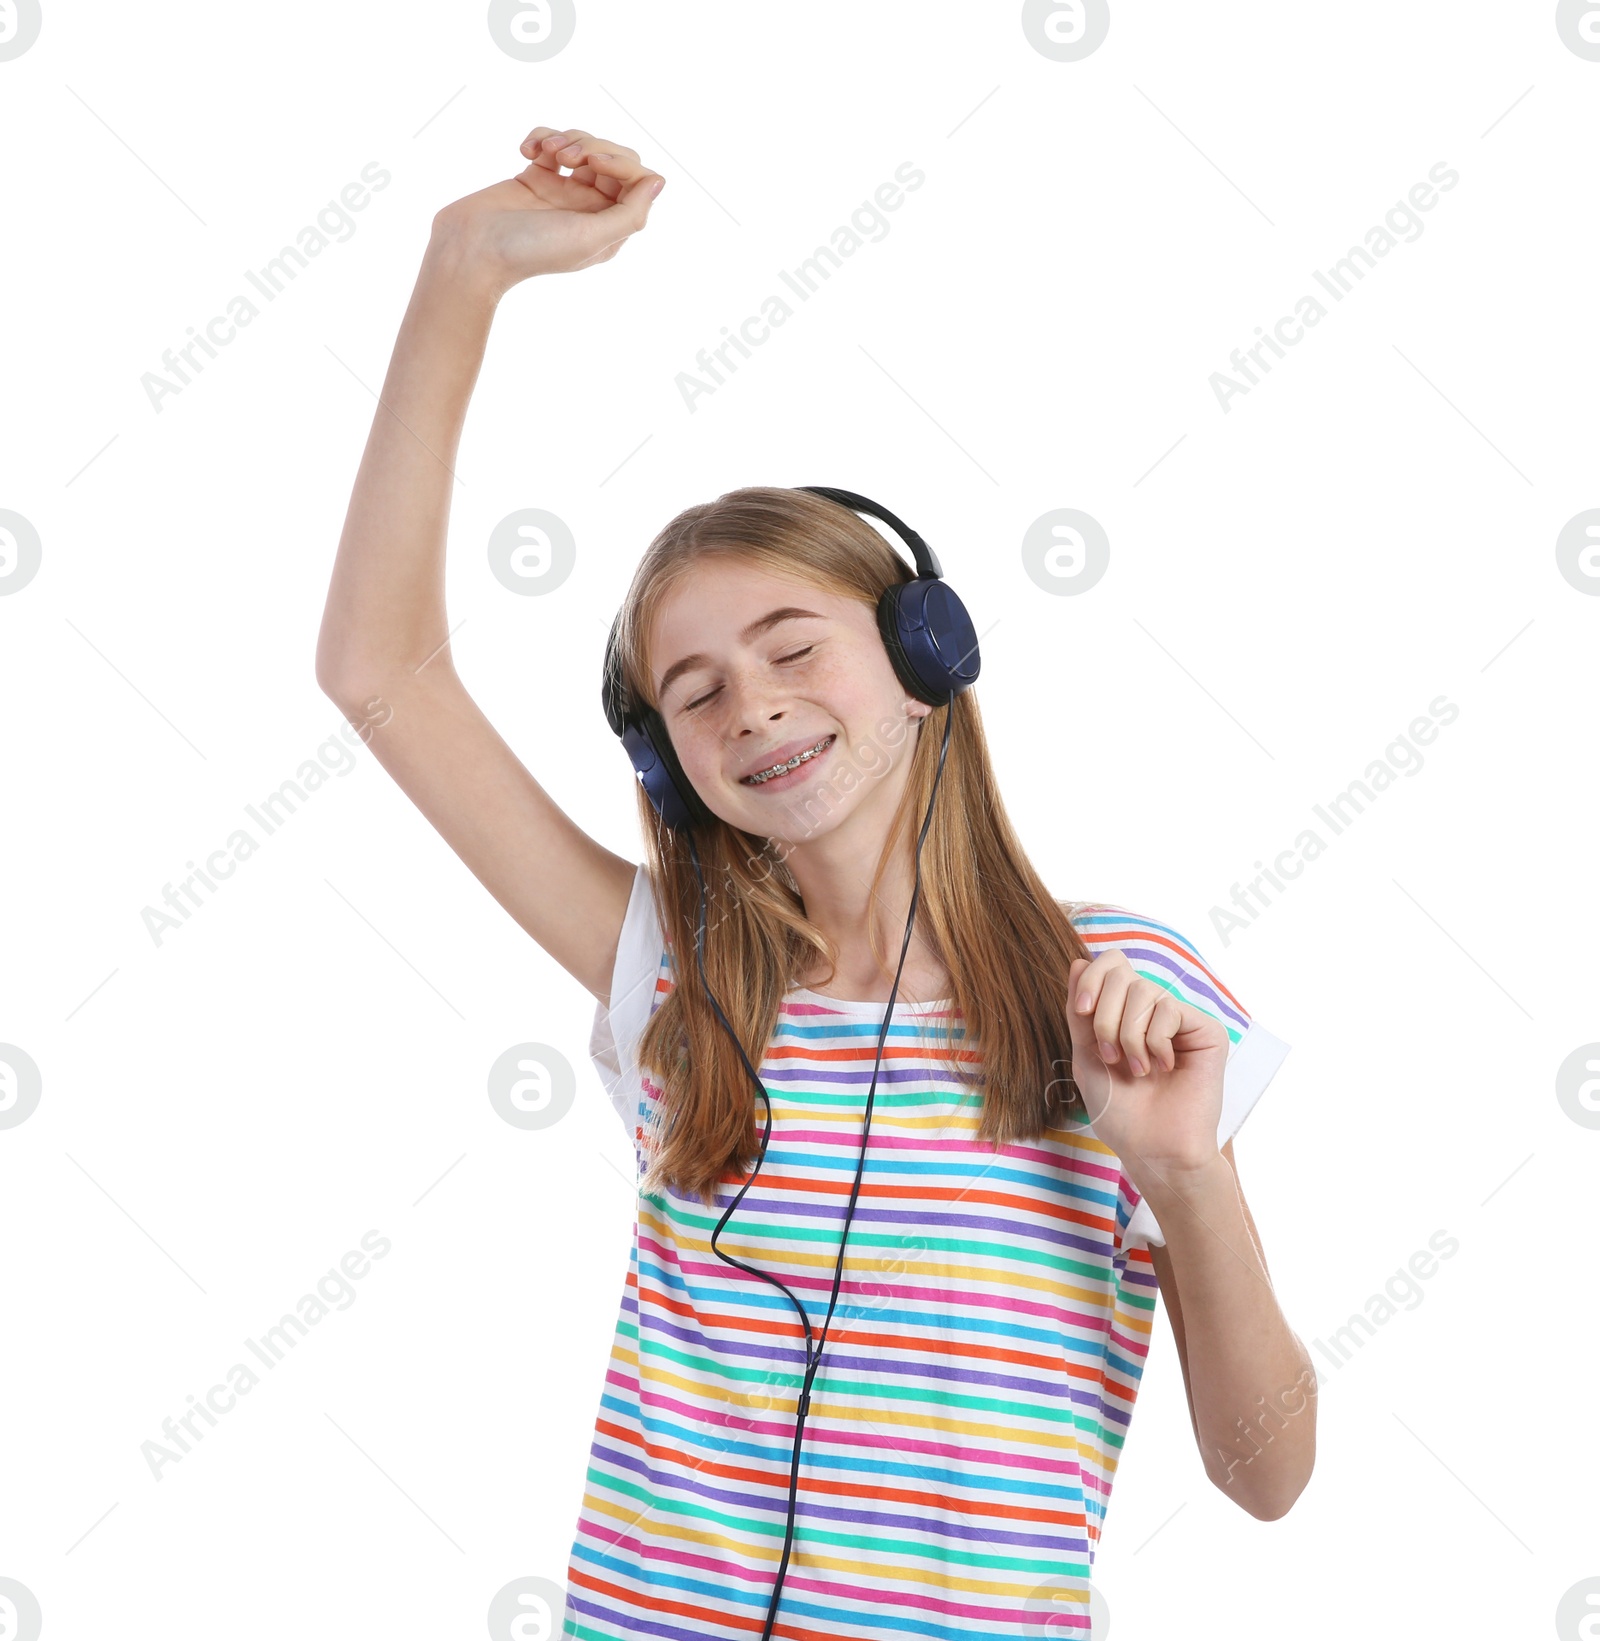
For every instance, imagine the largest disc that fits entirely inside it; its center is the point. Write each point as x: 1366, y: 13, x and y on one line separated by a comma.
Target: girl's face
x: 752, y: 668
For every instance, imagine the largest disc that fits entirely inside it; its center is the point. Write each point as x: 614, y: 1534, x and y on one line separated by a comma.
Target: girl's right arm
x: 383, y: 654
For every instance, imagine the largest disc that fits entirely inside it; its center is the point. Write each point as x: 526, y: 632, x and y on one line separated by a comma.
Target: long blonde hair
x: 1006, y: 944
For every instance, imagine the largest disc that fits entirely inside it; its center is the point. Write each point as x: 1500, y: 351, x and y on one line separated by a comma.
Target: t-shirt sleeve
x: 1163, y: 955
x: 619, y: 1025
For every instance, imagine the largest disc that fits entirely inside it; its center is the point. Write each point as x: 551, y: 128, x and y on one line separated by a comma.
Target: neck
x: 834, y: 876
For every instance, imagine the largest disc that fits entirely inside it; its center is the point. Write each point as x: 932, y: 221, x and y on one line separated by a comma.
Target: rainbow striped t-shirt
x: 979, y: 1372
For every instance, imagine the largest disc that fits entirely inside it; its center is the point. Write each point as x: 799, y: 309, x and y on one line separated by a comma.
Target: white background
x: 224, y: 1114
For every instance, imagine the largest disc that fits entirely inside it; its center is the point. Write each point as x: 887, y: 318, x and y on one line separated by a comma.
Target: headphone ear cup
x: 889, y: 631
x: 649, y: 747
x: 930, y: 638
x: 669, y: 789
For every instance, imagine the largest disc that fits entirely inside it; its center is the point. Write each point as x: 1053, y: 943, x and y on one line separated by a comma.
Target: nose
x: 756, y: 701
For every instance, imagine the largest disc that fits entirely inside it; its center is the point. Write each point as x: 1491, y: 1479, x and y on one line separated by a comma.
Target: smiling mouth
x: 779, y: 770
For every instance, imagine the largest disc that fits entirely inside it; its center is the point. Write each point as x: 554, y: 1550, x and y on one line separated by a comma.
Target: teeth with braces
x: 794, y: 763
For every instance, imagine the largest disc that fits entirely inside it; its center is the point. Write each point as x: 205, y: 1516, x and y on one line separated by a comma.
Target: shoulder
x: 1161, y: 953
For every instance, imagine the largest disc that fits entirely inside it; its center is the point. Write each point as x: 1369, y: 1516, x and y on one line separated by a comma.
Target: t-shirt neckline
x: 855, y: 1005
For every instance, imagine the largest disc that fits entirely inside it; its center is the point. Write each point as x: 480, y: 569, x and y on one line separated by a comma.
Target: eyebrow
x: 765, y: 623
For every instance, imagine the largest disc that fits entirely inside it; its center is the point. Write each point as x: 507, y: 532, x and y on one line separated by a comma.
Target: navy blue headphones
x: 931, y: 641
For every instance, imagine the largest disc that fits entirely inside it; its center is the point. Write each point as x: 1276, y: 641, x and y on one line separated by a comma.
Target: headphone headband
x: 927, y: 564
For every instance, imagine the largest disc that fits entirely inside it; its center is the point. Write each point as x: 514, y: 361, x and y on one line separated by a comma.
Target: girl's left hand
x: 1154, y: 1093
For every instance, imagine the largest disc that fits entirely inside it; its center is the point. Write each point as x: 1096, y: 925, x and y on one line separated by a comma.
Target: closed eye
x: 797, y: 655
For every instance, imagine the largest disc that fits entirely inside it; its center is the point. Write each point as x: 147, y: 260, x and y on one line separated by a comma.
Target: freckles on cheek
x: 693, y: 755
x: 706, y: 760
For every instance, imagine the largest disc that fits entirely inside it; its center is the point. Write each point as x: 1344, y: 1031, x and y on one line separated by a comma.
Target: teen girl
x: 892, y: 1284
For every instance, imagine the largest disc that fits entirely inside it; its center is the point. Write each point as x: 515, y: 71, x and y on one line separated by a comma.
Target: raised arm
x: 383, y: 653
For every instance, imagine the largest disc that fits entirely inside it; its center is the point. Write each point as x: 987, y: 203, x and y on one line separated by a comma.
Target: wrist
x: 1185, y: 1185
x: 458, y: 263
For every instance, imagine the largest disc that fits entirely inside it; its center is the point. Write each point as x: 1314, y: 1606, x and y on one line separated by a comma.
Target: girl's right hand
x: 542, y: 222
